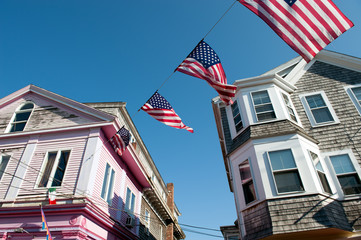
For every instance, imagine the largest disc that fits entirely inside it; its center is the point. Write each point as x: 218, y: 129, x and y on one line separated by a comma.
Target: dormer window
x: 20, y: 117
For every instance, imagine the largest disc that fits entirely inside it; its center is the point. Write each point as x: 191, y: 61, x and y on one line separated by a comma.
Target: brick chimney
x: 170, y: 203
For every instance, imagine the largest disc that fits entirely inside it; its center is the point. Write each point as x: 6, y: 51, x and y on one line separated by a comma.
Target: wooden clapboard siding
x: 15, y: 154
x: 75, y: 142
x: 46, y: 114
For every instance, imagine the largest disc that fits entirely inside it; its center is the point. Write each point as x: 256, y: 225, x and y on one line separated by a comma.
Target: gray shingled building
x: 292, y: 151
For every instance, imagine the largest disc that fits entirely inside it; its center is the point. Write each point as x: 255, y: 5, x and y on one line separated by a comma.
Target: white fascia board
x: 266, y: 79
x: 283, y: 66
x: 54, y: 130
x: 341, y: 60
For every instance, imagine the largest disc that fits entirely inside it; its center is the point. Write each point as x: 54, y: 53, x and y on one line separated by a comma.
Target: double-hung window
x: 355, y: 95
x: 247, y: 182
x: 318, y: 109
x: 289, y: 107
x: 4, y: 160
x: 320, y: 172
x: 20, y: 117
x: 285, y: 172
x: 263, y: 106
x: 108, y: 184
x: 237, y: 119
x: 130, y: 202
x: 53, y: 169
x: 346, y: 174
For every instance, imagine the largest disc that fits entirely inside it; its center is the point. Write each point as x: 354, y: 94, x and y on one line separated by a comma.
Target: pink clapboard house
x: 54, y: 147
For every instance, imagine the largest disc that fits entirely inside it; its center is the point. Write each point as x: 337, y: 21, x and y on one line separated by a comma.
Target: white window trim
x: 230, y: 119
x: 283, y: 170
x: 7, y: 165
x: 334, y: 175
x: 309, y: 113
x: 352, y: 96
x: 128, y: 210
x: 297, y: 121
x: 325, y: 169
x: 7, y: 130
x: 252, y: 179
x: 52, y: 173
x: 106, y: 197
x: 254, y: 107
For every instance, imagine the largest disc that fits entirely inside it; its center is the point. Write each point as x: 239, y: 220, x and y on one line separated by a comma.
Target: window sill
x: 324, y: 124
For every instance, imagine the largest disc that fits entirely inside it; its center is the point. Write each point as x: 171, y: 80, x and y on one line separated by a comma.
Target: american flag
x: 307, y: 26
x: 160, y: 109
x: 204, y: 63
x: 120, y: 140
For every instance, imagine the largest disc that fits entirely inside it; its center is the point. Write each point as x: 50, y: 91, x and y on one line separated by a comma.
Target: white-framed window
x: 147, y: 221
x: 346, y: 173
x: 130, y: 202
x: 355, y: 94
x: 263, y: 106
x: 237, y: 119
x: 20, y: 117
x: 249, y: 191
x: 285, y: 172
x: 108, y: 184
x: 318, y: 109
x: 320, y: 172
x: 53, y: 169
x: 289, y: 107
x: 4, y: 160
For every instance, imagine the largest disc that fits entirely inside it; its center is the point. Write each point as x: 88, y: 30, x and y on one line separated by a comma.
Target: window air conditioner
x: 129, y: 222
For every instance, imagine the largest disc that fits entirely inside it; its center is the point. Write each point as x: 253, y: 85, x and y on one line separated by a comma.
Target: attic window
x: 20, y: 117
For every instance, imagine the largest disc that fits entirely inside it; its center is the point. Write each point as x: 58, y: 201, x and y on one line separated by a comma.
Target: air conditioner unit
x: 129, y: 222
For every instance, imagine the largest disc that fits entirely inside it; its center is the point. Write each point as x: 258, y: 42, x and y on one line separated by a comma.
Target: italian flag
x: 52, y: 196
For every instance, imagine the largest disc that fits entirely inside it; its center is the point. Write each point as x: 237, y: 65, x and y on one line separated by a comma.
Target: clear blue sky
x: 105, y: 51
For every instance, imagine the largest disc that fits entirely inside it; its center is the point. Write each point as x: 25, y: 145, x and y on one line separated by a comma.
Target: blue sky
x: 107, y: 51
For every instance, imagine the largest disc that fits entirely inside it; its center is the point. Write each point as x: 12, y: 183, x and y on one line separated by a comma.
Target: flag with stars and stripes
x: 160, y: 109
x: 120, y: 140
x: 204, y: 63
x: 45, y: 225
x: 307, y: 26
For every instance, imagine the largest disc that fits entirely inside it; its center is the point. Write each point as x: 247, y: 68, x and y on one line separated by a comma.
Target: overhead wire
x: 94, y: 200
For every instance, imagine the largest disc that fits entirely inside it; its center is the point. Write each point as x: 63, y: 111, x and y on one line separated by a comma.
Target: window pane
x: 342, y: 164
x: 322, y: 115
x: 260, y: 97
x: 17, y: 127
x: 249, y: 192
x: 264, y: 108
x: 288, y: 181
x: 132, y: 204
x: 48, y: 168
x: 106, y: 180
x: 60, y: 170
x: 357, y: 92
x: 235, y: 109
x: 127, y: 200
x: 245, y: 171
x: 110, y: 189
x: 324, y: 182
x: 350, y: 184
x: 315, y: 101
x: 27, y: 106
x: 282, y: 159
x: 4, y: 160
x: 23, y: 116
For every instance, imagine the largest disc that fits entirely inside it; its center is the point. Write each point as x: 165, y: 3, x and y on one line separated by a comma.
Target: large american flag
x: 120, y: 140
x: 204, y: 63
x: 160, y: 109
x: 307, y: 26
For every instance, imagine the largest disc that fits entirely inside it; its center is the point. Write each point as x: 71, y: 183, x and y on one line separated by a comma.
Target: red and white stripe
x: 118, y: 144
x: 166, y: 116
x: 307, y: 26
x: 214, y: 76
